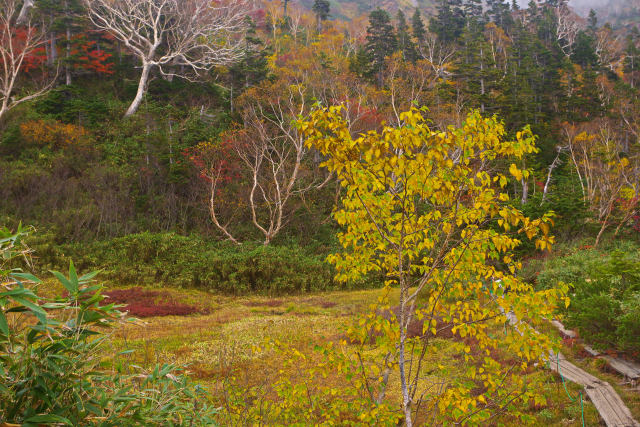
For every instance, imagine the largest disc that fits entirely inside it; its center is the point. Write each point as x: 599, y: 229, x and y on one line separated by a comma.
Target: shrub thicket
x: 605, y: 300
x: 169, y: 259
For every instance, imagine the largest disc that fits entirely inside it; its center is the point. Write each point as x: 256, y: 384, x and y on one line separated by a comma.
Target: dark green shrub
x: 628, y: 330
x: 180, y: 261
x: 605, y: 306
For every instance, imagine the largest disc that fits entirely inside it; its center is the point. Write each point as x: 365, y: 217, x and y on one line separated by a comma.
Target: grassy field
x: 224, y: 346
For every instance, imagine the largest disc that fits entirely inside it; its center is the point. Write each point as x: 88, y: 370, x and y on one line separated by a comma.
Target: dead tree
x: 20, y: 38
x: 183, y: 38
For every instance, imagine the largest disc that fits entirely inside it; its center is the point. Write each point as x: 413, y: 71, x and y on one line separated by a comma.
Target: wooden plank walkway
x: 629, y: 370
x: 610, y: 406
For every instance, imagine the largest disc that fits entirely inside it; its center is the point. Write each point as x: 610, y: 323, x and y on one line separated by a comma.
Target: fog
x: 578, y: 3
x: 583, y: 6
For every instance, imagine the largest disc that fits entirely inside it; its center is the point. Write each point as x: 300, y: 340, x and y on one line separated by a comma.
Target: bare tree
x: 438, y: 55
x: 185, y: 35
x: 608, y: 174
x: 20, y: 38
x: 273, y: 162
x: 567, y: 26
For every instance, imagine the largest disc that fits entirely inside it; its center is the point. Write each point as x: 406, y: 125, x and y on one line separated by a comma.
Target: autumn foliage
x: 141, y: 302
x: 87, y: 55
x: 55, y: 134
x: 35, y: 58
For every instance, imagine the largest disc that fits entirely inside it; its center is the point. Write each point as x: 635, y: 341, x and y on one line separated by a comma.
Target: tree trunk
x: 54, y: 50
x: 605, y: 222
x: 406, y: 399
x: 28, y: 4
x: 142, y: 89
x: 67, y: 67
x: 3, y: 108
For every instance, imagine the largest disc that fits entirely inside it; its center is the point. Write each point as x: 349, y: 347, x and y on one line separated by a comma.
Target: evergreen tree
x: 381, y: 40
x: 477, y: 68
x: 532, y: 91
x: 592, y: 22
x: 360, y: 63
x: 449, y: 21
x: 585, y: 104
x: 473, y: 11
x: 498, y: 12
x: 254, y: 65
x: 405, y: 44
x: 417, y: 27
x: 584, y: 51
x: 321, y: 8
x: 532, y: 11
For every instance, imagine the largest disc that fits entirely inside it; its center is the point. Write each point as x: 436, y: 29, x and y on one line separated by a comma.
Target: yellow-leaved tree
x: 428, y: 210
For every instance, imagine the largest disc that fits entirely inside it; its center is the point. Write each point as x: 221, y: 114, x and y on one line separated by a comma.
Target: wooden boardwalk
x: 629, y: 370
x: 610, y: 406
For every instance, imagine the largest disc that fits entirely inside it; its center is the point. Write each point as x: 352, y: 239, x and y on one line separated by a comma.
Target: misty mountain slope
x: 348, y: 9
x: 618, y: 13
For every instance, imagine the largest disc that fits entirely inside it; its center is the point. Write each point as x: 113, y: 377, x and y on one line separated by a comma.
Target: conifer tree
x: 476, y: 67
x: 417, y: 27
x: 64, y: 21
x: 498, y: 12
x: 405, y: 44
x: 592, y: 21
x: 321, y: 8
x: 254, y: 65
x: 449, y: 20
x: 585, y: 104
x: 473, y: 11
x: 584, y: 51
x: 381, y: 41
x: 360, y: 63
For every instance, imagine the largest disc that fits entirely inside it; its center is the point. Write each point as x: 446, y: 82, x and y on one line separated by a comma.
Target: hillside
x: 348, y: 9
x: 619, y: 13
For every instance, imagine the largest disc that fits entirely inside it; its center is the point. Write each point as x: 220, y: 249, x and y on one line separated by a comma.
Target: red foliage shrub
x: 141, y: 302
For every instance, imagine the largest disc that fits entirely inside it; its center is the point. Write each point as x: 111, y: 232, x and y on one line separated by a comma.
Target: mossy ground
x: 230, y: 338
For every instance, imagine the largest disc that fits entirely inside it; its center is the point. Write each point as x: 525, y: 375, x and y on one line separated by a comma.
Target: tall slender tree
x: 405, y: 44
x: 592, y: 21
x: 498, y: 11
x: 322, y: 9
x: 632, y: 58
x: 381, y: 41
x: 417, y: 27
x: 449, y: 20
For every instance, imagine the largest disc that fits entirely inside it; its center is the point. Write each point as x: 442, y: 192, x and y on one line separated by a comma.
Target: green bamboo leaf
x: 88, y: 276
x: 49, y: 419
x: 4, y: 326
x: 36, y: 309
x: 65, y: 282
x: 73, y: 276
x: 26, y: 276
